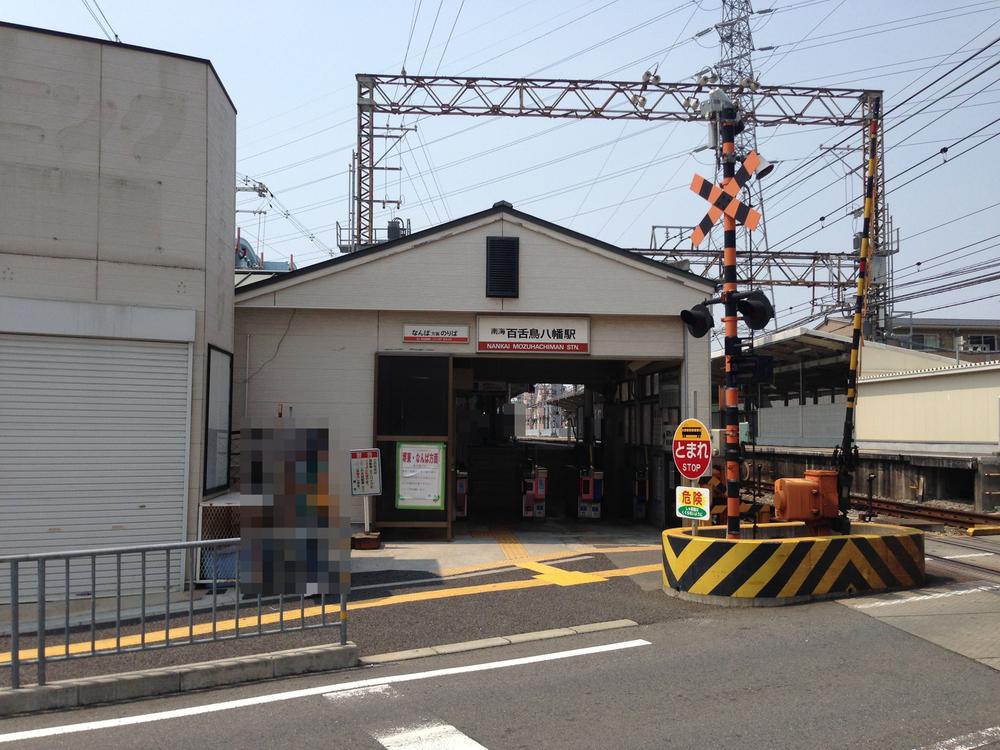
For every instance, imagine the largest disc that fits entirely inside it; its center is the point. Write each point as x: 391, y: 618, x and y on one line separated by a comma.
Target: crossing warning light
x: 756, y: 309
x: 698, y: 320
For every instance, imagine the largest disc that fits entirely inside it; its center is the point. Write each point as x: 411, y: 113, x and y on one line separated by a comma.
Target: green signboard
x: 420, y: 476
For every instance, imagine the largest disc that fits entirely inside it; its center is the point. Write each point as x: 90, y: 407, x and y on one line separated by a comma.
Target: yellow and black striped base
x: 783, y: 568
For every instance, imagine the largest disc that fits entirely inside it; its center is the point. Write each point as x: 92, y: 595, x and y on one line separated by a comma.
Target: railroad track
x: 982, y: 550
x: 948, y: 516
x: 900, y: 509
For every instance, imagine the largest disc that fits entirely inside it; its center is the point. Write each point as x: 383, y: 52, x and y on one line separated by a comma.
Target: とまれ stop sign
x: 692, y: 449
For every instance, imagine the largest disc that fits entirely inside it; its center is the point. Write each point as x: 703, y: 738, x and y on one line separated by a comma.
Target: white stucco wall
x: 320, y: 365
x: 446, y: 273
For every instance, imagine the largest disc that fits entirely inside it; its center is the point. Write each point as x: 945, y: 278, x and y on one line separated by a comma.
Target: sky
x: 290, y: 69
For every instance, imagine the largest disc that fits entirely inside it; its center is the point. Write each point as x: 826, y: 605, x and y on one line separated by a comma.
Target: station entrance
x: 604, y: 462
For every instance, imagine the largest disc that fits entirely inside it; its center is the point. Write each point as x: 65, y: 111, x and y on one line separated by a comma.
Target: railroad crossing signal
x: 724, y: 200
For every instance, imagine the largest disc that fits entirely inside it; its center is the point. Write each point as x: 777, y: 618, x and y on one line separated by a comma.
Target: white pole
x: 368, y: 513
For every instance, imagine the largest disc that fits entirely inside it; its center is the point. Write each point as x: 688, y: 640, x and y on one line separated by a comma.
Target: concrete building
x: 420, y: 339
x: 542, y: 417
x: 116, y: 264
x: 926, y: 427
x: 960, y: 339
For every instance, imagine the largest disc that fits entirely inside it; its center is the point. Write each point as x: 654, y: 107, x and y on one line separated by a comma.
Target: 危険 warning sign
x: 693, y: 502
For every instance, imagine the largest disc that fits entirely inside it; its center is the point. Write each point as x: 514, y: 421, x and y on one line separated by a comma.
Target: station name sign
x: 420, y: 333
x: 533, y: 335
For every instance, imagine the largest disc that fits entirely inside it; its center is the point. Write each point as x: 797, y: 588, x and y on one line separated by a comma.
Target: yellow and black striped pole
x: 846, y: 452
x: 727, y: 127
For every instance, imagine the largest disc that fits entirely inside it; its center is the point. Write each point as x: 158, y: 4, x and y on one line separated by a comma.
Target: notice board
x: 420, y: 475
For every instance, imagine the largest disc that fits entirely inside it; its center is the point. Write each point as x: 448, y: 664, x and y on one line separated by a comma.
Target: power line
x: 430, y: 36
x: 542, y: 36
x: 488, y: 22
x: 951, y: 221
x: 448, y: 41
x: 956, y: 304
x: 101, y: 11
x: 908, y: 117
x: 413, y: 25
x: 96, y: 19
x: 873, y: 29
x: 822, y: 220
x: 911, y: 97
x: 808, y: 34
x: 548, y: 193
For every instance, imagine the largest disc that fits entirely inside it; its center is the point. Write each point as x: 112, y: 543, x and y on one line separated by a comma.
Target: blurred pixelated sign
x: 366, y: 472
x: 420, y: 476
x: 292, y: 537
x: 692, y: 448
x: 693, y: 502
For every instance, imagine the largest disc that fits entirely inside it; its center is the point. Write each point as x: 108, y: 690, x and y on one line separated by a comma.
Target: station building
x: 427, y: 339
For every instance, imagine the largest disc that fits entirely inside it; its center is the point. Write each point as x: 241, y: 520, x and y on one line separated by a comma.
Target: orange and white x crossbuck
x: 724, y: 200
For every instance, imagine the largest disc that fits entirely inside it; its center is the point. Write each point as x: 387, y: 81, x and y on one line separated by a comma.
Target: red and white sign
x: 366, y: 472
x: 529, y: 335
x: 692, y: 449
x: 418, y: 333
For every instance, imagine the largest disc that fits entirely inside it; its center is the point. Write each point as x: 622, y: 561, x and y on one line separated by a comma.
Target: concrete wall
x: 117, y: 170
x: 315, y: 365
x: 879, y: 359
x: 808, y: 426
x: 955, y: 409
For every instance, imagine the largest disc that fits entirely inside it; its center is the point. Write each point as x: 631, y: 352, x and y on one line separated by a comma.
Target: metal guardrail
x: 187, y: 626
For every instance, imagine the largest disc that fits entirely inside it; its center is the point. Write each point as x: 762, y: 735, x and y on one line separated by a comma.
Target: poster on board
x: 420, y: 476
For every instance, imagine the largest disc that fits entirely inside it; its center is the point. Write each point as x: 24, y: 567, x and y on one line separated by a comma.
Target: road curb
x: 507, y: 640
x: 983, y: 530
x: 178, y: 679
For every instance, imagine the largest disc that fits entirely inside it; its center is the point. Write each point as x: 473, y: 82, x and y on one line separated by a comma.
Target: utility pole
x: 846, y: 454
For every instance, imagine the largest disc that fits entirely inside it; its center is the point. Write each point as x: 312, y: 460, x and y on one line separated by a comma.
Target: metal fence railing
x: 120, y: 599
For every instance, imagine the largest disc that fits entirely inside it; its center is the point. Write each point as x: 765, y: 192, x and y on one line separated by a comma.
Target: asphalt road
x: 422, y: 623
x: 821, y: 676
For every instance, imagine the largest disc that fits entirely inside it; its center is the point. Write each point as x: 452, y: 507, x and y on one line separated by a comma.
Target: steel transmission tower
x: 735, y: 68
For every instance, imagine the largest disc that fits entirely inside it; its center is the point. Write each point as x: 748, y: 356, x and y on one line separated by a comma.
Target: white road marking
x: 925, y: 597
x: 971, y: 554
x: 362, y: 692
x: 967, y: 741
x: 259, y: 700
x: 428, y: 737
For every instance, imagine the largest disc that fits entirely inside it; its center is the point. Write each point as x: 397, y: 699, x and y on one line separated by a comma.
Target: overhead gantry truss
x: 821, y: 270
x: 603, y: 100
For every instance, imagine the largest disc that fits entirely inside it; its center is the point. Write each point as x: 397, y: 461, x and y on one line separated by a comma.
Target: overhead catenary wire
x: 106, y: 30
x: 426, y: 139
x: 541, y: 165
x: 888, y: 129
x: 890, y: 110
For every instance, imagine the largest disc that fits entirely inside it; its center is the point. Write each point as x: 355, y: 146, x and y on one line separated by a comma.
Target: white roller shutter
x: 94, y: 436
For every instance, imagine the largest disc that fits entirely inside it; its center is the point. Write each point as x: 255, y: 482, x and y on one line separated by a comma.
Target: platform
x: 776, y: 563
